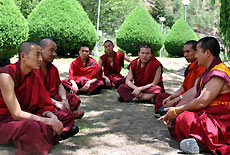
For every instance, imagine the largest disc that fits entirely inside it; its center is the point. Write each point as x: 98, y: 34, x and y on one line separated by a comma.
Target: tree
x: 26, y: 6
x: 112, y: 15
x: 225, y: 24
x: 139, y: 28
x: 63, y: 21
x: 13, y: 29
x: 180, y: 33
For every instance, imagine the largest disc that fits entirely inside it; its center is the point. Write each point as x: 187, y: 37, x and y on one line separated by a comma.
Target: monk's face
x: 201, y: 55
x: 108, y: 46
x: 33, y: 59
x: 84, y: 53
x: 145, y: 54
x: 189, y: 53
x: 49, y: 52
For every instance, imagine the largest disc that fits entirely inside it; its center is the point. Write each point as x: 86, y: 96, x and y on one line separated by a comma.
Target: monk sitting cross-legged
x: 84, y: 74
x: 112, y: 62
x: 192, y: 72
x: 50, y: 77
x: 144, y: 79
x: 202, y: 119
x: 27, y: 116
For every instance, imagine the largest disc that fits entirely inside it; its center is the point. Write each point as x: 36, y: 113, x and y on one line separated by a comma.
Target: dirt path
x: 110, y: 127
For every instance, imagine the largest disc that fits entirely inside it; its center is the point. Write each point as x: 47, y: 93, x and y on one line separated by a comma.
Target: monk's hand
x: 86, y: 86
x: 107, y: 82
x: 137, y: 92
x: 56, y: 125
x: 59, y: 105
x: 65, y: 104
x: 165, y: 101
x: 74, y: 89
x: 170, y: 115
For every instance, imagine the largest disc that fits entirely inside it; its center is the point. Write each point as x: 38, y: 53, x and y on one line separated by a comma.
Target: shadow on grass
x: 105, y: 116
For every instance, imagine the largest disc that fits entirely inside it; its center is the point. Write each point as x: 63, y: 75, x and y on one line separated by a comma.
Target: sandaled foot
x: 190, y: 146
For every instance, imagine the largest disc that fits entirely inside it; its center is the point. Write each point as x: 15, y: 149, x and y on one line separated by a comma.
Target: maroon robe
x: 81, y: 74
x: 142, y: 76
x: 52, y: 81
x: 112, y: 71
x: 30, y: 136
x: 192, y: 72
x: 209, y: 126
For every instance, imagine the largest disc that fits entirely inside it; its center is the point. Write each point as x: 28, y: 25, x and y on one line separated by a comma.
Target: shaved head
x: 45, y: 42
x: 26, y: 47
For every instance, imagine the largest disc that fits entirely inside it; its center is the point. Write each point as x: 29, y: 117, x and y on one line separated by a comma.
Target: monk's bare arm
x: 188, y: 96
x: 129, y: 80
x: 8, y: 93
x: 100, y: 62
x: 61, y: 92
x: 157, y: 76
x: 207, y: 95
x: 177, y: 93
x: 128, y: 58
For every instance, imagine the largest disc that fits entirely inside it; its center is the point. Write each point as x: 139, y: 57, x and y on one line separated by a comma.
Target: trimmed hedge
x: 13, y: 29
x: 139, y: 28
x: 179, y: 34
x: 65, y: 22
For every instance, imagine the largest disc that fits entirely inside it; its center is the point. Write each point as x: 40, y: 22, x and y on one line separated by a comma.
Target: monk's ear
x: 22, y: 55
x: 208, y: 52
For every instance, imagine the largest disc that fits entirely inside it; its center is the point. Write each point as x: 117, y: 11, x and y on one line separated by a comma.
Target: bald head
x: 26, y: 47
x: 45, y: 42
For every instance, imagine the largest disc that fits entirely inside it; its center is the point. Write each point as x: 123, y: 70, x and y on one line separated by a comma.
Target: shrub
x: 13, y: 29
x: 65, y: 22
x: 139, y: 28
x: 179, y: 34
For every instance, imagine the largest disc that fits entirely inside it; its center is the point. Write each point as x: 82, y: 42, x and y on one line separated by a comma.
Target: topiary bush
x: 179, y: 34
x: 139, y: 28
x: 13, y: 29
x: 65, y: 22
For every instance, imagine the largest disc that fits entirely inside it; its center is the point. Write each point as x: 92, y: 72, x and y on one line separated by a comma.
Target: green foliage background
x: 63, y: 21
x: 180, y: 33
x: 13, y: 29
x: 139, y: 28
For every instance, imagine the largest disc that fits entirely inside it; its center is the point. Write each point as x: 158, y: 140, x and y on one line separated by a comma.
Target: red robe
x: 142, y: 76
x: 113, y: 71
x: 52, y: 81
x: 210, y: 126
x: 81, y: 74
x: 192, y: 72
x: 30, y: 136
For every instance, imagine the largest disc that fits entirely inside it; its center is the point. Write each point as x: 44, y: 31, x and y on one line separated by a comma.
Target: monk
x: 85, y: 76
x: 144, y: 79
x: 192, y: 72
x: 50, y: 76
x: 202, y: 121
x: 27, y: 116
x: 112, y: 62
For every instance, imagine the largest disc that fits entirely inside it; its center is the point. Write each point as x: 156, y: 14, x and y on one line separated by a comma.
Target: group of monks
x: 37, y: 109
